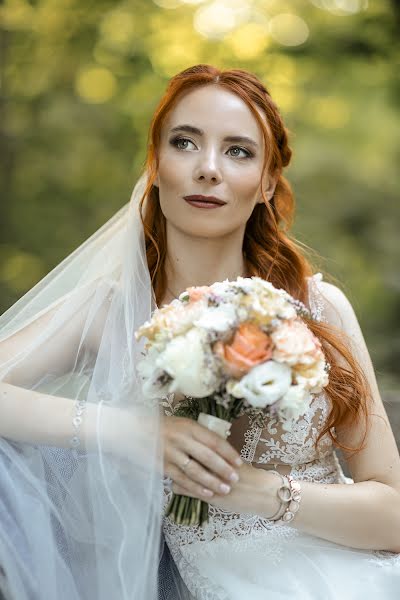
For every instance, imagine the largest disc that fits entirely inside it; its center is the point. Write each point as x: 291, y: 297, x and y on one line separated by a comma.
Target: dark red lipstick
x: 201, y: 201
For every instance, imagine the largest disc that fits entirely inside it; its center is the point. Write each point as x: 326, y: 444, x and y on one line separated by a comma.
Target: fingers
x: 216, y: 443
x: 213, y: 458
x: 178, y: 489
x: 208, y: 465
x: 191, y: 488
x: 196, y: 473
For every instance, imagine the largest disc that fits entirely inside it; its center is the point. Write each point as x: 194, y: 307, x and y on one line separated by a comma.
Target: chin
x: 198, y: 230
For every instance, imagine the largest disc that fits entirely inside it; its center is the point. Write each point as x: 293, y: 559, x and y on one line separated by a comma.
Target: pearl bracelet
x: 289, y: 493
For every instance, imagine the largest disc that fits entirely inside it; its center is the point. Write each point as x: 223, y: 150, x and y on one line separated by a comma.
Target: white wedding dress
x: 245, y: 557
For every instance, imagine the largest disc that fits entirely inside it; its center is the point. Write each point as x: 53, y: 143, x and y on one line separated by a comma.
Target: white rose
x: 294, y: 403
x: 219, y: 318
x: 184, y: 359
x: 263, y: 385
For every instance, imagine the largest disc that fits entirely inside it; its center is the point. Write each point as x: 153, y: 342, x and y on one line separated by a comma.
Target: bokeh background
x: 81, y: 78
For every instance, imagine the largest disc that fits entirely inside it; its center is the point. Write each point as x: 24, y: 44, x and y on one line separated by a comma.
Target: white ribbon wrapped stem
x: 219, y: 426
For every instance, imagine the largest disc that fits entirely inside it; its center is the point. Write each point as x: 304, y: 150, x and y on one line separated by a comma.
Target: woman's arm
x: 57, y: 353
x: 32, y: 416
x: 365, y: 514
x: 38, y: 418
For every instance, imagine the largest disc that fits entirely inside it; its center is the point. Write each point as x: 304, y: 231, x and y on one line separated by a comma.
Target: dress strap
x: 315, y: 297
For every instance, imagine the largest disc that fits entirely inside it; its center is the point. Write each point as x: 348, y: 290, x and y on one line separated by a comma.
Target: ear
x: 156, y: 182
x: 270, y: 191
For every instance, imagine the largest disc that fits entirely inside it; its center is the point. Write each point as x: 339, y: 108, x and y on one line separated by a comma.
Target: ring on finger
x: 186, y: 463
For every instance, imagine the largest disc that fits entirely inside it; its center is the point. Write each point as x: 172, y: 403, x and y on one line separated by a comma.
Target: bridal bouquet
x: 230, y: 348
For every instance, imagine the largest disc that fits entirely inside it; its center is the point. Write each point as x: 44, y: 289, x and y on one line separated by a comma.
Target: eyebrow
x: 229, y: 138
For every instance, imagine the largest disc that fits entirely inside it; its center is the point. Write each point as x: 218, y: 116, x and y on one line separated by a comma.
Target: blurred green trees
x: 80, y: 80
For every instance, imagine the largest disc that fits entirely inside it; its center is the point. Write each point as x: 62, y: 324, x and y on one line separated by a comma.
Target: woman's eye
x: 237, y: 150
x: 181, y: 143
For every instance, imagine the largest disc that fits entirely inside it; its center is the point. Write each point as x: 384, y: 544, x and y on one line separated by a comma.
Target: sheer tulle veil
x: 81, y: 486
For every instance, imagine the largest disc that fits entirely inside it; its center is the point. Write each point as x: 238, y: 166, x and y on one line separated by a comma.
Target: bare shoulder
x: 338, y: 310
x: 96, y: 319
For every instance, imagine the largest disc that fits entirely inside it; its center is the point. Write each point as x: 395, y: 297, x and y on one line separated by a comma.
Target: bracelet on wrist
x: 75, y: 441
x: 289, y: 493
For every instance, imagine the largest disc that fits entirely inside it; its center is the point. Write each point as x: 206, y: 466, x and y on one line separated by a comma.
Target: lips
x: 199, y: 200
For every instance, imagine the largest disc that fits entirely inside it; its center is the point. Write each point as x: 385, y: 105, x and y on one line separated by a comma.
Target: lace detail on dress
x: 271, y: 444
x: 315, y: 298
x: 251, y: 437
x: 385, y: 560
x: 225, y: 530
x: 224, y: 524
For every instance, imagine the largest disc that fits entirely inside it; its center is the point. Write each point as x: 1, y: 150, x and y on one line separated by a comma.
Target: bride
x: 87, y: 466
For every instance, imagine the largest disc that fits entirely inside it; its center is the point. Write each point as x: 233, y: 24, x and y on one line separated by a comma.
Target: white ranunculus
x: 294, y: 403
x: 219, y: 318
x: 263, y: 385
x: 184, y: 359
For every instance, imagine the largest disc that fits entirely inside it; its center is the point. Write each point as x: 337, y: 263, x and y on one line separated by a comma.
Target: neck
x: 199, y: 261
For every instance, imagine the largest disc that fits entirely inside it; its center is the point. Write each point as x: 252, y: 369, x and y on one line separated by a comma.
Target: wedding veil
x: 80, y: 455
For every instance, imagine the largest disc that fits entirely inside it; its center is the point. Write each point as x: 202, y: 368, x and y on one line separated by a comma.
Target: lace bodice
x: 265, y: 447
x: 270, y: 446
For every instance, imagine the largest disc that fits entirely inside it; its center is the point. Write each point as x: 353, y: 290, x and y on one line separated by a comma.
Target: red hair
x: 270, y: 251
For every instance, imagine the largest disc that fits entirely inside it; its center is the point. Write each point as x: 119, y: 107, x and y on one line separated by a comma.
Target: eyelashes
x: 248, y: 154
x: 178, y: 139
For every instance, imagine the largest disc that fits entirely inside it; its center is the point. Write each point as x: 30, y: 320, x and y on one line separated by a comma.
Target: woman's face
x: 202, y: 152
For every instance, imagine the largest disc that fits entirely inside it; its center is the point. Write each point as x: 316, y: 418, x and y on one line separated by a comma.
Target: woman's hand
x: 214, y: 462
x: 255, y: 493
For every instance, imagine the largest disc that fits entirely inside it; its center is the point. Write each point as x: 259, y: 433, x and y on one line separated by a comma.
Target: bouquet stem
x: 184, y: 510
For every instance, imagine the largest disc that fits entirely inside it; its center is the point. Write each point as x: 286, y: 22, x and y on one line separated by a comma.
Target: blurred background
x: 80, y: 80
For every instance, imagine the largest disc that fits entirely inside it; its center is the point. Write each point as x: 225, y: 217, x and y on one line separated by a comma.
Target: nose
x: 207, y: 168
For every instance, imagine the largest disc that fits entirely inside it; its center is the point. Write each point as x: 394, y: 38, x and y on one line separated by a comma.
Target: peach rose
x: 249, y: 347
x: 295, y: 343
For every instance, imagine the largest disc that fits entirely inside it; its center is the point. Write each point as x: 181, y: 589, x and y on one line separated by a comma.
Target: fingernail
x: 207, y: 493
x: 225, y: 489
x: 234, y: 477
x: 238, y: 462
